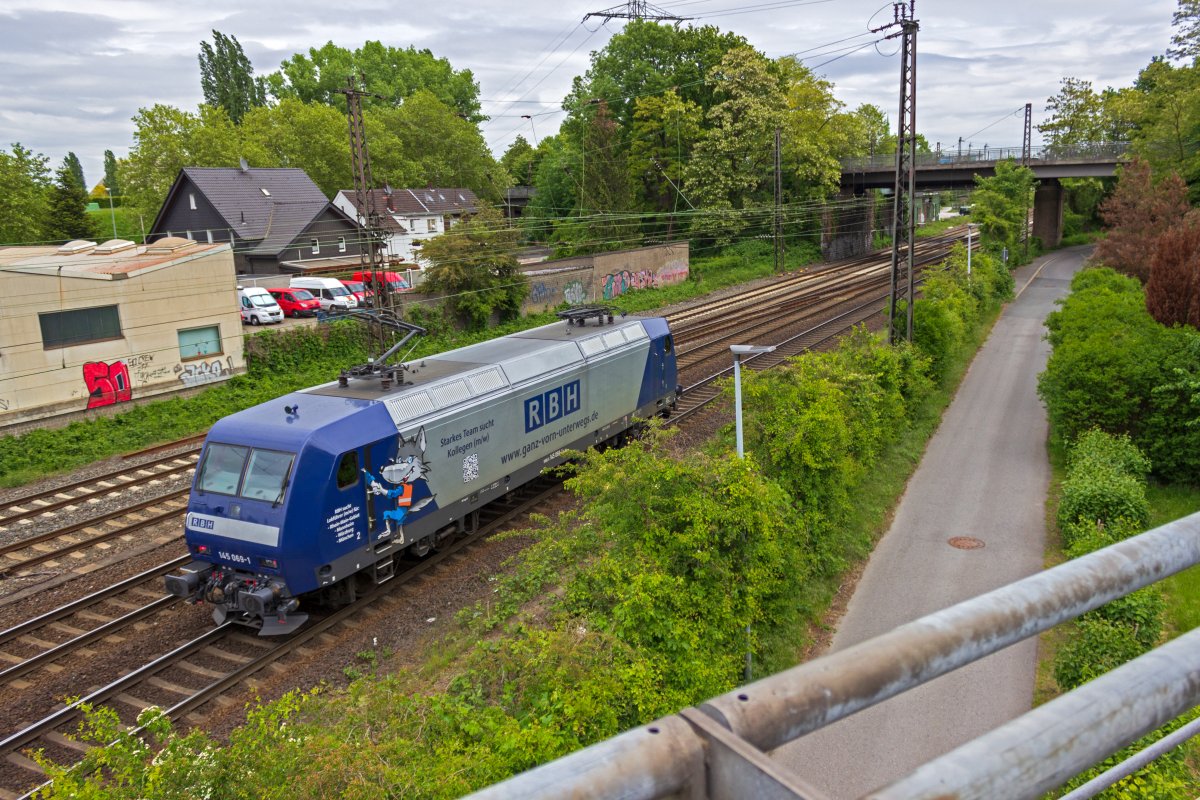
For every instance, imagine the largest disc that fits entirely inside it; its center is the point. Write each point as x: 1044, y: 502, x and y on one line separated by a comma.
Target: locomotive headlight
x: 201, y: 549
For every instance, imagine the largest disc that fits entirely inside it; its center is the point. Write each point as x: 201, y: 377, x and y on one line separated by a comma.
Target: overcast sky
x: 72, y: 75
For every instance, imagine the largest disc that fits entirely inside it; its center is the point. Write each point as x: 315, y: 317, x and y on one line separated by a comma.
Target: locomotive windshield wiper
x: 282, y: 488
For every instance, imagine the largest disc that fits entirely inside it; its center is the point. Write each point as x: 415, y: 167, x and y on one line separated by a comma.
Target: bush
x: 1094, y: 647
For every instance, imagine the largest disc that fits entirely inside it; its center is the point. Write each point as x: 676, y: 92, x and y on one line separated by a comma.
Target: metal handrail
x: 1045, y: 154
x: 731, y: 734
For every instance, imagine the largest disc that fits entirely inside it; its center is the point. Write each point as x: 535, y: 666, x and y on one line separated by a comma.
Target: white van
x: 258, y: 306
x: 332, y: 293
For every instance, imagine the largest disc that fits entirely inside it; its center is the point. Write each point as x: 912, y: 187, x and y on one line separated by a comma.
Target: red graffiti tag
x: 107, y: 383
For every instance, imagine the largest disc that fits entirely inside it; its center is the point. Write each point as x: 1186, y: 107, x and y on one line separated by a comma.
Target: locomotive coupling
x: 187, y: 583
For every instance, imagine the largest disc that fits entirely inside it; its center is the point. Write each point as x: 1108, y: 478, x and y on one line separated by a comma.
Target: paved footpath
x: 984, y: 475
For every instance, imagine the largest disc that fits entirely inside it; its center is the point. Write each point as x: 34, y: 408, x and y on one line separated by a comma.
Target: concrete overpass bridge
x: 948, y: 169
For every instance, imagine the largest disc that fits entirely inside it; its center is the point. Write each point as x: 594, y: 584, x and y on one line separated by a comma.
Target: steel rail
x: 92, y: 599
x: 86, y: 638
x: 55, y: 505
x: 8, y: 570
x: 533, y: 495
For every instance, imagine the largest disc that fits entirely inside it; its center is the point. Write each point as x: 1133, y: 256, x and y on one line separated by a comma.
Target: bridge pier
x: 1048, y: 212
x: 847, y: 228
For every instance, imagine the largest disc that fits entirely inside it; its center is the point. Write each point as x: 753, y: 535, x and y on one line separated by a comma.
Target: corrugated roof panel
x: 544, y: 361
x: 449, y: 393
x: 488, y: 380
x: 635, y: 333
x: 614, y: 339
x: 408, y: 406
x: 592, y: 345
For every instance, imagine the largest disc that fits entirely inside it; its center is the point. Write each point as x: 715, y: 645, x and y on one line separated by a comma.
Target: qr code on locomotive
x: 470, y: 467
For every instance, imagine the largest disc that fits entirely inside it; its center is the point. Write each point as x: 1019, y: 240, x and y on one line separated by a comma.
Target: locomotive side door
x: 375, y: 457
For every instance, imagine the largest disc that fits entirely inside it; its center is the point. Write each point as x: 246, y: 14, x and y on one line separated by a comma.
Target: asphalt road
x: 984, y: 475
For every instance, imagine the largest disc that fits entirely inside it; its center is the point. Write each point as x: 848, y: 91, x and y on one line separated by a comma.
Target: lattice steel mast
x: 371, y: 259
x: 636, y: 9
x: 903, y: 207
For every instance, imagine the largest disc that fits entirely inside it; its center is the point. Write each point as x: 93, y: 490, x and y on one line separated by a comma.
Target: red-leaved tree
x: 1173, y: 290
x: 1137, y: 213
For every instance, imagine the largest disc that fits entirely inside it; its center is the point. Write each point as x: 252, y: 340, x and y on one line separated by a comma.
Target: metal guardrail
x: 1105, y: 151
x: 718, y: 750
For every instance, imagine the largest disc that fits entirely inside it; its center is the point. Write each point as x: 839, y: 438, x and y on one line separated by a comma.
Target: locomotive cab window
x: 222, y: 468
x: 267, y: 475
x: 668, y: 344
x: 347, y: 474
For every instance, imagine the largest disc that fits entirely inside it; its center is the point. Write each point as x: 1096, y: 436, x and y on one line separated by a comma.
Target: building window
x: 199, y: 342
x: 341, y: 244
x: 192, y: 201
x: 63, y: 328
x: 431, y: 225
x: 316, y: 247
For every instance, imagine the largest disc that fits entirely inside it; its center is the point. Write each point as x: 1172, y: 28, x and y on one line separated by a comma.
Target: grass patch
x: 299, y: 359
x: 1168, y: 503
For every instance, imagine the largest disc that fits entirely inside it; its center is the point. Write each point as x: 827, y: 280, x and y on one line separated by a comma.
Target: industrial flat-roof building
x: 85, y: 326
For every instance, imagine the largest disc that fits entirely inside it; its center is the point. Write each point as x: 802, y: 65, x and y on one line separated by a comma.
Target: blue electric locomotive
x: 316, y: 493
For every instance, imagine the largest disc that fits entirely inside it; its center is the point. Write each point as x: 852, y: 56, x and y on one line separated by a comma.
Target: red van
x: 395, y: 281
x: 296, y: 302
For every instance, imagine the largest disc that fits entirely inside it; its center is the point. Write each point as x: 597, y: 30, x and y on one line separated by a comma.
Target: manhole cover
x: 966, y: 542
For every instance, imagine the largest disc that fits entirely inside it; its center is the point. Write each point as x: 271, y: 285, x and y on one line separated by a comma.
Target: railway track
x: 72, y: 497
x: 189, y: 677
x: 185, y: 679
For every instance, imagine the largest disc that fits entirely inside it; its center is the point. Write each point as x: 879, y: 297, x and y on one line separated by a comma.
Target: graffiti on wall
x: 617, y: 283
x: 574, y: 293
x: 540, y: 294
x: 3, y: 404
x: 107, y: 383
x: 143, y: 370
x: 199, y: 373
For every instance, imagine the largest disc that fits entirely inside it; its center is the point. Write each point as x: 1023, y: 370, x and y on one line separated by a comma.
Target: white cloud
x: 73, y: 81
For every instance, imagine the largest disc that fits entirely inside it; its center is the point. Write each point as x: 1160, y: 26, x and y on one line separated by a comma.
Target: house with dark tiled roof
x: 277, y: 220
x: 409, y: 216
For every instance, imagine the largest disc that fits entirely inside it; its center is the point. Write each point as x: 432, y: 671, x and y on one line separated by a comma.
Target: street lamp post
x: 971, y: 226
x: 738, y: 351
x: 111, y: 210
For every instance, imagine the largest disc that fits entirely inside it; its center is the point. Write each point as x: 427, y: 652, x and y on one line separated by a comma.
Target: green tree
x: 665, y: 128
x: 391, y: 72
x: 1185, y: 42
x: 227, y: 77
x: 1075, y: 115
x: 110, y: 174
x: 425, y: 142
x: 647, y: 59
x: 729, y: 164
x: 816, y: 134
x: 66, y: 216
x: 166, y: 139
x: 306, y: 136
x: 24, y: 184
x: 867, y: 130
x: 1167, y: 133
x: 1001, y: 204
x: 518, y: 161
x: 475, y: 265
x: 71, y: 162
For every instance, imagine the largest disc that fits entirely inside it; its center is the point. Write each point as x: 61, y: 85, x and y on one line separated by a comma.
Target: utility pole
x: 779, y: 246
x: 370, y: 256
x: 1026, y: 153
x: 636, y: 9
x: 903, y: 209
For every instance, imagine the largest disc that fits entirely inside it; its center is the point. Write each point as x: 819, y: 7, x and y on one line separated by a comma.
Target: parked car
x: 296, y: 302
x: 394, y: 280
x: 358, y: 289
x: 330, y: 293
x: 258, y: 306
